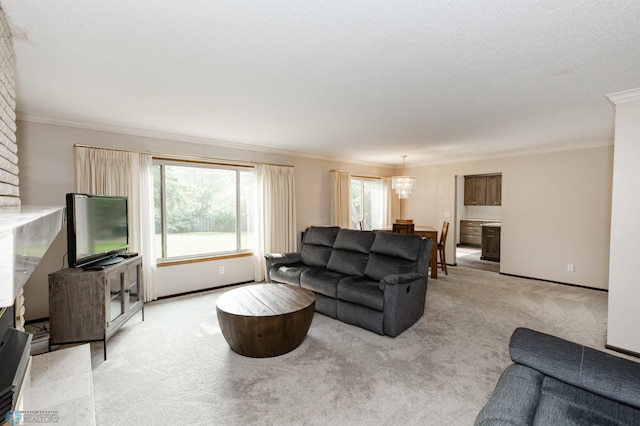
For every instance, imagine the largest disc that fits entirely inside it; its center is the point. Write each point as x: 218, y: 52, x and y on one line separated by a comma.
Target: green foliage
x: 197, y: 199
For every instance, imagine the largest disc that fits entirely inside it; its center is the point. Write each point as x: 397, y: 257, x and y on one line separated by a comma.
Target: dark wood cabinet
x: 483, y: 190
x: 491, y: 243
x: 475, y: 189
x: 494, y: 190
x: 87, y: 306
x: 471, y: 232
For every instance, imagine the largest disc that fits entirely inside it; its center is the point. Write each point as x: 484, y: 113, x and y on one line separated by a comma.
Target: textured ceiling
x: 364, y: 80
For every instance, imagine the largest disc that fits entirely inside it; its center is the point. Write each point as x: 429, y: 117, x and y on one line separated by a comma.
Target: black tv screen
x: 97, y: 229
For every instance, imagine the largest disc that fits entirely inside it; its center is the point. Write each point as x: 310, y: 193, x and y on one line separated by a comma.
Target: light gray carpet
x: 176, y: 368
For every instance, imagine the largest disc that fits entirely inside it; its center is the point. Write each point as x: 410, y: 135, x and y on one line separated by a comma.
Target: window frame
x: 161, y: 258
x: 362, y: 179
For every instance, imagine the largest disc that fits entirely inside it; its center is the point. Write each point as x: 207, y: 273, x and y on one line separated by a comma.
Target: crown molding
x: 628, y: 96
x: 624, y: 96
x: 525, y: 152
x: 132, y: 131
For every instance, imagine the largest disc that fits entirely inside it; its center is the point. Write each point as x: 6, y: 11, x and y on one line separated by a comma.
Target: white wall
x: 556, y: 207
x: 624, y: 289
x: 47, y: 174
x: 480, y: 212
x: 556, y: 210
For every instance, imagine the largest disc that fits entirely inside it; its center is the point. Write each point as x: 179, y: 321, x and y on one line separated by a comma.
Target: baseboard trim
x: 623, y: 351
x: 186, y: 293
x: 547, y: 281
x: 555, y: 282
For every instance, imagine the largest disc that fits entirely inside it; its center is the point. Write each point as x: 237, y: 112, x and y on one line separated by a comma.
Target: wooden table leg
x: 434, y: 260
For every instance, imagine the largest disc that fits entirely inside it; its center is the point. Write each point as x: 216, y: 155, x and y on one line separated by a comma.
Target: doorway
x: 468, y: 230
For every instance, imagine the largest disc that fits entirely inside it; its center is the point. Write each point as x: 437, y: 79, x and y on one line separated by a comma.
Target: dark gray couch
x: 377, y: 281
x: 557, y: 382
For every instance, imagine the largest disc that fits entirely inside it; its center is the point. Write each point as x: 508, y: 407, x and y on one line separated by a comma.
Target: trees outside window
x: 202, y: 210
x: 366, y: 203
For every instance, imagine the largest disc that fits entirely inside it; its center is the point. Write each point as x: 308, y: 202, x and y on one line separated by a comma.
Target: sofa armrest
x: 400, y: 279
x: 592, y: 370
x: 515, y: 398
x: 404, y: 299
x: 282, y: 258
x: 275, y: 259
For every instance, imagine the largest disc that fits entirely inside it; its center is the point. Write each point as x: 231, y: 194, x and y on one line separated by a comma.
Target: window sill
x: 163, y: 263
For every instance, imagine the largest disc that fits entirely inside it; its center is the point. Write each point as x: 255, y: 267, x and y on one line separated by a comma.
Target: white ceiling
x: 365, y: 80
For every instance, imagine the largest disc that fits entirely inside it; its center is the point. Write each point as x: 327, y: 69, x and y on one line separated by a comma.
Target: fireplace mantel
x: 26, y: 232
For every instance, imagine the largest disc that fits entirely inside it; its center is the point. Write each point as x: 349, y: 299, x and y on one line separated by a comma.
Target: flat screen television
x: 97, y: 229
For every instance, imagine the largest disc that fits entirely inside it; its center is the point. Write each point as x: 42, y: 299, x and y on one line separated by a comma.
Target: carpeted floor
x: 175, y: 367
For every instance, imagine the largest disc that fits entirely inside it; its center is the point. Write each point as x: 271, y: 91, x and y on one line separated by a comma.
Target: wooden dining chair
x: 403, y: 228
x: 441, y: 247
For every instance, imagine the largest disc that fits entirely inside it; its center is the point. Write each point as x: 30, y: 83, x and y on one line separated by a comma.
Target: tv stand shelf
x: 87, y: 306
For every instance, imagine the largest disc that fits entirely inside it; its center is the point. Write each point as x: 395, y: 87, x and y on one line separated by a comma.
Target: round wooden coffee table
x: 264, y: 320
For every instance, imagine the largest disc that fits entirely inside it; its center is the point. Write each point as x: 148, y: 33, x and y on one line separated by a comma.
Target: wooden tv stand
x: 87, y: 306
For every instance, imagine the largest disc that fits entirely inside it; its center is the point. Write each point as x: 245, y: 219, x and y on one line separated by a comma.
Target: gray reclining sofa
x: 377, y: 281
x: 557, y: 382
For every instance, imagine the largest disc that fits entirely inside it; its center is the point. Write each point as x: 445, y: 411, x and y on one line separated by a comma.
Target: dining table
x: 424, y: 232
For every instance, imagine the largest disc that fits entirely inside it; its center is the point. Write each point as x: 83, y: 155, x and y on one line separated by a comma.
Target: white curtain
x: 340, y: 198
x: 276, y: 214
x: 390, y: 203
x: 129, y: 174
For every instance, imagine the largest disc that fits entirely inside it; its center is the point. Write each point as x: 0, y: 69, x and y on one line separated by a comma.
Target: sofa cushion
x: 397, y: 245
x: 288, y: 274
x: 379, y: 266
x: 393, y: 254
x: 317, y: 245
x: 361, y: 291
x: 595, y: 371
x: 321, y: 281
x: 321, y: 235
x: 358, y: 241
x: 351, y: 252
x: 569, y: 405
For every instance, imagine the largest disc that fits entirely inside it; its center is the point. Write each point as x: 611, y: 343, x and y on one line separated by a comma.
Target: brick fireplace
x: 25, y: 235
x: 9, y: 189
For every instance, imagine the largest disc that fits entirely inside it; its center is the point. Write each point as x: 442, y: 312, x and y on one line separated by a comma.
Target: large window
x: 366, y: 203
x: 202, y: 210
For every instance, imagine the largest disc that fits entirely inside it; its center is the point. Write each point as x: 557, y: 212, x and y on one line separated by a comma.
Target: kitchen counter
x: 471, y: 230
x: 492, y: 224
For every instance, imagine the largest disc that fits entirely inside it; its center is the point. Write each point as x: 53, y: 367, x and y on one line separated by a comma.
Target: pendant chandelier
x: 403, y: 184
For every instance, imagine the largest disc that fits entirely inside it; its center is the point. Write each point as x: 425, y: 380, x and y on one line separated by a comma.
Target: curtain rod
x: 357, y: 175
x: 169, y: 156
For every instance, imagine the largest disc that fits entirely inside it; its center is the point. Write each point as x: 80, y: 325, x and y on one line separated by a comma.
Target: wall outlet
x: 221, y: 270
x: 447, y: 214
x: 569, y: 267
